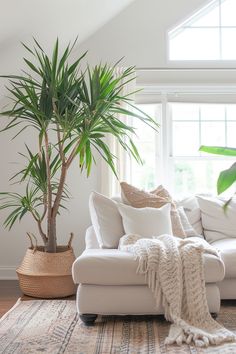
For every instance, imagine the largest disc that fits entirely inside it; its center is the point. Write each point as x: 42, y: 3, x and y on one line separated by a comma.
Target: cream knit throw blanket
x: 174, y: 272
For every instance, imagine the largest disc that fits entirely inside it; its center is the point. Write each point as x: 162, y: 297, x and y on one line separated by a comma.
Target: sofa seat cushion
x: 113, y: 267
x: 227, y: 248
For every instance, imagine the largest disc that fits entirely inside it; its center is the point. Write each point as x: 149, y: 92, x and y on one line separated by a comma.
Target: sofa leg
x: 214, y: 315
x: 88, y: 318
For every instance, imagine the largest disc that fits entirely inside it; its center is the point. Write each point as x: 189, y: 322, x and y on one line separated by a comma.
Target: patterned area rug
x: 53, y: 327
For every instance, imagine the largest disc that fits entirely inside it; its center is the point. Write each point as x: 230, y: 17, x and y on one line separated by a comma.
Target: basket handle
x: 70, y: 240
x: 31, y: 237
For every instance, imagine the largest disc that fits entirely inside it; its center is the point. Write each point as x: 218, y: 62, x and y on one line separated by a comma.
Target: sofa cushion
x: 188, y: 228
x: 113, y: 267
x: 91, y: 241
x: 154, y: 199
x: 217, y: 223
x: 146, y: 222
x: 227, y: 248
x: 106, y: 220
x: 193, y: 213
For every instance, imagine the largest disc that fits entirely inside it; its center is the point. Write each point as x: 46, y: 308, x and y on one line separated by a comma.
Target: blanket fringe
x: 199, y: 338
x: 174, y: 272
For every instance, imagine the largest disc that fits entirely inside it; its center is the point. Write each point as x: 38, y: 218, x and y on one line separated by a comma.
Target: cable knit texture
x: 155, y: 199
x: 174, y: 272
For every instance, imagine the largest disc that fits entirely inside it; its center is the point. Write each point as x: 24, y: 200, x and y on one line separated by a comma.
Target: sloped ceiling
x: 47, y: 19
x: 20, y: 20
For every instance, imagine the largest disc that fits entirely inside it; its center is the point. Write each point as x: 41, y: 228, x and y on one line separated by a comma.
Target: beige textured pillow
x: 155, y: 199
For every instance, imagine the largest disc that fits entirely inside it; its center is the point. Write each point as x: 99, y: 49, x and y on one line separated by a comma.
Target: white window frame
x: 163, y: 144
x: 227, y: 63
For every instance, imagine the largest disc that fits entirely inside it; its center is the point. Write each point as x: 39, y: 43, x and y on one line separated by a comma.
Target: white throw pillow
x: 217, y: 223
x: 146, y: 222
x: 193, y: 213
x: 139, y: 198
x: 106, y: 220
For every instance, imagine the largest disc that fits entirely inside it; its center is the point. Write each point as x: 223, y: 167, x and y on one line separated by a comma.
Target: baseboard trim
x: 8, y: 273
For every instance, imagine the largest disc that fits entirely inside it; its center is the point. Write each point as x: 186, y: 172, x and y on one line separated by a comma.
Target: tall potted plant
x: 71, y: 111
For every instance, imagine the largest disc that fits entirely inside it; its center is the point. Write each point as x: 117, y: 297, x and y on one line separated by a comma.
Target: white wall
x: 138, y: 33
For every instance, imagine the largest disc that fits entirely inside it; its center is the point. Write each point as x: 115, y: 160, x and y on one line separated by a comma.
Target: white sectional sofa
x: 108, y: 283
x: 227, y: 286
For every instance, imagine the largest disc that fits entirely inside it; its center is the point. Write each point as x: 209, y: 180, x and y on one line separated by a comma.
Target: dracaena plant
x: 71, y: 111
x: 227, y: 177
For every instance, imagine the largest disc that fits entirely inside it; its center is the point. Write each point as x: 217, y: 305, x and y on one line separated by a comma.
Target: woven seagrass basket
x: 47, y: 275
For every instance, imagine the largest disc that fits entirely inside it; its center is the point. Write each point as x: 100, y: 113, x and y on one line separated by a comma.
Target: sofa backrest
x: 91, y: 241
x: 190, y: 206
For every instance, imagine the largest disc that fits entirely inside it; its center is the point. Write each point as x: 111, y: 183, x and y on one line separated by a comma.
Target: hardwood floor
x: 10, y: 293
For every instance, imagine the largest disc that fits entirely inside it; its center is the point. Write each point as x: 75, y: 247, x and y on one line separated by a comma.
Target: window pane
x: 210, y: 18
x: 144, y: 132
x: 185, y: 139
x: 199, y: 37
x: 231, y: 134
x: 149, y: 109
x: 192, y: 177
x: 228, y: 11
x: 213, y: 133
x: 185, y: 111
x: 186, y: 174
x: 212, y: 112
x: 231, y: 112
x: 195, y: 44
x: 143, y: 176
x: 228, y: 46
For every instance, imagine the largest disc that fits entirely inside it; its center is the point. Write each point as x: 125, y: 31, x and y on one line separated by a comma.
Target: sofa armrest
x: 91, y: 239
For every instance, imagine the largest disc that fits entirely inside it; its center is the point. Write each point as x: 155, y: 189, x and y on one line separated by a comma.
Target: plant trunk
x: 51, y: 223
x: 51, y: 246
x: 59, y: 191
